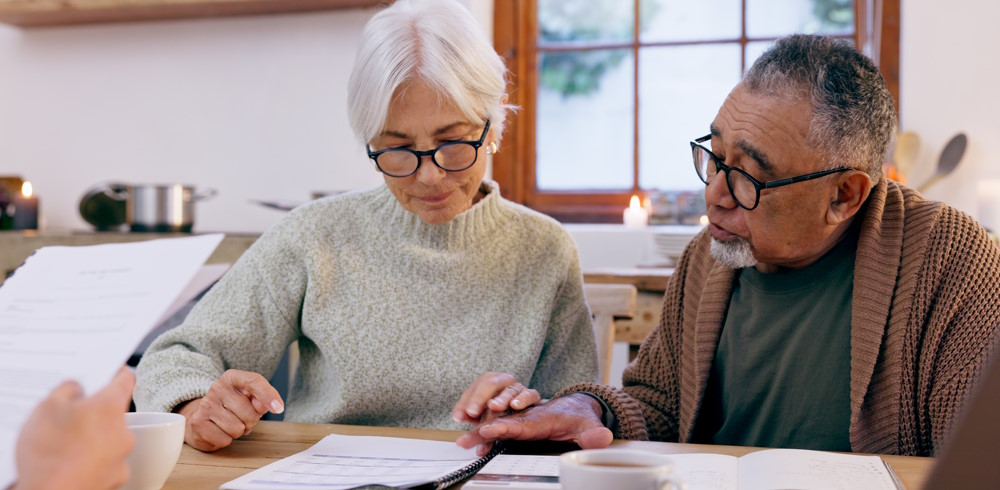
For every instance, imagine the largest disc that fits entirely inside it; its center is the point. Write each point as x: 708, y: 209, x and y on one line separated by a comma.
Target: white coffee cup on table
x: 618, y: 469
x: 158, y: 441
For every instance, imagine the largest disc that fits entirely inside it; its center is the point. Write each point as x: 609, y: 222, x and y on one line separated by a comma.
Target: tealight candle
x: 635, y: 216
x: 25, y: 209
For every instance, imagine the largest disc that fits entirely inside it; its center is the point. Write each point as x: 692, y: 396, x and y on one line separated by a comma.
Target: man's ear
x: 853, y: 189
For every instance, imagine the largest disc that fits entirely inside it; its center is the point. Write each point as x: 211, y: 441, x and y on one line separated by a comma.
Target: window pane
x: 566, y: 21
x: 775, y: 18
x: 673, y: 20
x: 755, y: 49
x: 680, y: 91
x: 585, y: 122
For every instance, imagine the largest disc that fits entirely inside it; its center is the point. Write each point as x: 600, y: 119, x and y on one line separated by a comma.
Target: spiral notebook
x: 343, y: 462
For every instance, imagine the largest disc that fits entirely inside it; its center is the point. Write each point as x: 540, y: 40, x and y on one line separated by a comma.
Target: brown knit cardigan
x: 924, y: 316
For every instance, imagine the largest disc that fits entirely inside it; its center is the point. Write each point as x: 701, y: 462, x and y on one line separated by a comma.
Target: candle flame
x: 703, y: 220
x: 634, y: 202
x: 26, y: 190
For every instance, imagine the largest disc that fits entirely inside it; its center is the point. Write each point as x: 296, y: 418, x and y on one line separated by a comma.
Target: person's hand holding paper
x: 78, y: 313
x: 70, y: 441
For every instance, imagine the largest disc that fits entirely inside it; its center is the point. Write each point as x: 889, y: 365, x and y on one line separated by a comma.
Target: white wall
x: 949, y: 69
x: 252, y: 106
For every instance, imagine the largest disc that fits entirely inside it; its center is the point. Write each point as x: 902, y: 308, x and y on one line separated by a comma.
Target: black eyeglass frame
x: 432, y: 152
x: 758, y: 185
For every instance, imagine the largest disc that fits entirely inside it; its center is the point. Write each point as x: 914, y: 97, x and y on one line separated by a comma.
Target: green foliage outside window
x: 579, y: 73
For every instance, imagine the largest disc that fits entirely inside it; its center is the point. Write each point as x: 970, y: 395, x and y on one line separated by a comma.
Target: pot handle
x: 116, y: 191
x: 203, y: 195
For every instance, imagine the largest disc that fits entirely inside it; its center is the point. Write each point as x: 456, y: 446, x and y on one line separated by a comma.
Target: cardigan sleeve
x: 961, y: 298
x: 648, y: 406
x: 246, y: 322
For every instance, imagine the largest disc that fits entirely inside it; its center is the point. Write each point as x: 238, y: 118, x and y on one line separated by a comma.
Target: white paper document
x: 78, y: 313
x: 761, y: 470
x: 339, y: 462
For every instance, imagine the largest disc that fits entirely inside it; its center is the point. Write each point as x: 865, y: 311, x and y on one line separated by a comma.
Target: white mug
x: 619, y: 469
x: 158, y: 441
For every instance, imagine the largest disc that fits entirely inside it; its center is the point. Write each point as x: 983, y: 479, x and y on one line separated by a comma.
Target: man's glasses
x: 744, y: 188
x: 453, y: 156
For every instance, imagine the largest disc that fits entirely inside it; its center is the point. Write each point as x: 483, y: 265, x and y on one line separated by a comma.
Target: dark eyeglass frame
x: 758, y: 185
x: 431, y: 153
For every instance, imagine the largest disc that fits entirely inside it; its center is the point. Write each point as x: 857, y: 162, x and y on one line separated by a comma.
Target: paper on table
x: 78, y: 313
x: 338, y: 462
x: 523, y: 472
x: 767, y: 469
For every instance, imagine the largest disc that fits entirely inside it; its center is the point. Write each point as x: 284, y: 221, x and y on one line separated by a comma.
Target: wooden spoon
x: 950, y: 156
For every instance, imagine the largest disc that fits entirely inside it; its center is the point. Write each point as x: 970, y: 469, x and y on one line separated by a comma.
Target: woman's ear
x: 852, y: 192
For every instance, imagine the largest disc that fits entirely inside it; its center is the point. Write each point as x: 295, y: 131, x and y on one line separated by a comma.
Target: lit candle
x: 635, y: 216
x: 25, y: 209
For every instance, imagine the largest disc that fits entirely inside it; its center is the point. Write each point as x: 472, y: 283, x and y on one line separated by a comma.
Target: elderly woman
x: 401, y: 295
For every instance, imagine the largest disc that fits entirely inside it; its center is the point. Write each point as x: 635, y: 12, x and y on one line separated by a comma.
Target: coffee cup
x: 621, y: 469
x: 158, y: 441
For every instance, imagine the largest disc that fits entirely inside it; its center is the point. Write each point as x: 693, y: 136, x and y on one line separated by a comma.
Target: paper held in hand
x: 78, y: 313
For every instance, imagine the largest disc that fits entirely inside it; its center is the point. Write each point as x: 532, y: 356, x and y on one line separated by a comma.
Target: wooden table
x: 271, y: 441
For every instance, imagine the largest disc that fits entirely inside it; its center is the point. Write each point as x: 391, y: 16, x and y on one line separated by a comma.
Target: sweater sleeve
x: 569, y: 355
x: 246, y: 322
x: 962, y: 281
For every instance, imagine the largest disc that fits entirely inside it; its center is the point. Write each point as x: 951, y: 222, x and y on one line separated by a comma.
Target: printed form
x: 339, y: 462
x: 78, y: 313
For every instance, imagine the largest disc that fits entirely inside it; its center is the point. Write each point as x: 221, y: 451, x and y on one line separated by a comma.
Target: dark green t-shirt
x: 782, y: 370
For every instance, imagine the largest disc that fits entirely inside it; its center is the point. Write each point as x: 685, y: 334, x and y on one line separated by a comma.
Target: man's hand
x: 573, y: 418
x: 74, y: 442
x: 497, y: 392
x: 231, y: 409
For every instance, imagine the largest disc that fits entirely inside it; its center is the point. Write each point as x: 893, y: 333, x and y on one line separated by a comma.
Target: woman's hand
x: 70, y: 441
x: 231, y: 409
x: 496, y: 392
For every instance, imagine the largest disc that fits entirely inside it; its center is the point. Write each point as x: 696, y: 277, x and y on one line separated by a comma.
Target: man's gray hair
x: 435, y: 41
x: 854, y: 115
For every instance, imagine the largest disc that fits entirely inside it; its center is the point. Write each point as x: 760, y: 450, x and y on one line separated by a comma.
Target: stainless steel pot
x: 162, y: 207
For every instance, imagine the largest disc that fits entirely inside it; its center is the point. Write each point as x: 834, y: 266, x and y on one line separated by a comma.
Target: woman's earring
x: 492, y: 149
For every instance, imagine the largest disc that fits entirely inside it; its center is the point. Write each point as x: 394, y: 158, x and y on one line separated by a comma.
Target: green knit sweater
x: 394, y: 317
x: 925, y: 317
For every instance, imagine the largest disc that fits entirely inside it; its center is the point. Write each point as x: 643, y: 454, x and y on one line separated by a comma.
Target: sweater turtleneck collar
x: 471, y: 228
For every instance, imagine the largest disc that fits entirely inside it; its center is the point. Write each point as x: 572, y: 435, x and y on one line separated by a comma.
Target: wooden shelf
x: 37, y: 13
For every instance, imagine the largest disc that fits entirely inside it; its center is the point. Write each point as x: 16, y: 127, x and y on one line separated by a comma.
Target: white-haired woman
x: 402, y: 296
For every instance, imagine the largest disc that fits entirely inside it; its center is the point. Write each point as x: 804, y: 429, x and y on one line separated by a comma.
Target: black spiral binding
x: 469, y: 470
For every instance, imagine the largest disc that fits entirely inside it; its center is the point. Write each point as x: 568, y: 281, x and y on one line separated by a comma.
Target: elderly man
x: 824, y: 307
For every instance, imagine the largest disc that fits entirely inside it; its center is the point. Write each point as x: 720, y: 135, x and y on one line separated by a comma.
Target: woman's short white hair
x: 436, y: 41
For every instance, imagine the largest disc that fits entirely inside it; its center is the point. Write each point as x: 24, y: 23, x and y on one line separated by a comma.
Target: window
x: 611, y: 91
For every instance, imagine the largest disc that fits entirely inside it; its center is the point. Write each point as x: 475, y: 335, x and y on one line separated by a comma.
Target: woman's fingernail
x: 277, y: 407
